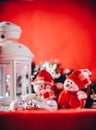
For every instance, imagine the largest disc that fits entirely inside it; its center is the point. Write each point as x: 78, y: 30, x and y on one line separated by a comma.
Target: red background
x: 63, y: 30
x: 56, y: 29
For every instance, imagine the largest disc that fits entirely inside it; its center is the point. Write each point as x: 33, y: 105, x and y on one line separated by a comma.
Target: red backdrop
x: 56, y: 30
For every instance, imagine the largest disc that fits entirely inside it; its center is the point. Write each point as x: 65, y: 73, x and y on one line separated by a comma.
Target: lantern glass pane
x: 5, y: 79
x: 22, y: 79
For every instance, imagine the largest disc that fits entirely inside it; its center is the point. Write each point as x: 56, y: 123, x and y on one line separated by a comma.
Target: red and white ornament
x: 17, y: 105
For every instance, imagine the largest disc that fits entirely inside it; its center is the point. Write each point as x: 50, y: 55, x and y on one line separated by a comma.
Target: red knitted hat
x: 81, y: 77
x: 44, y: 76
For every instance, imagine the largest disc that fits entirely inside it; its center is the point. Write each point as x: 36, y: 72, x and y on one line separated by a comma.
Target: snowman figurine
x: 73, y: 95
x: 43, y: 84
x: 43, y: 87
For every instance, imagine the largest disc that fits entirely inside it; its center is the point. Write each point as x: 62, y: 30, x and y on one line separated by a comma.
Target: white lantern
x: 15, y: 64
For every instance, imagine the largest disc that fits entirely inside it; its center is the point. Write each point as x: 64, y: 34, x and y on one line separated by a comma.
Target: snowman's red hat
x: 81, y: 77
x: 45, y: 77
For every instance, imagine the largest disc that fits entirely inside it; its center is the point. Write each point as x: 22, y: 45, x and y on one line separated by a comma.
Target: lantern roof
x: 10, y: 49
x: 14, y: 51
